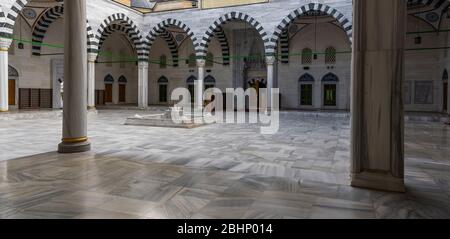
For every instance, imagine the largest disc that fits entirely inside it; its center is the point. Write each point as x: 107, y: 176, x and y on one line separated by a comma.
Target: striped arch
x: 161, y: 30
x: 129, y: 28
x: 219, y: 33
x: 9, y: 20
x: 345, y: 23
x: 3, y: 26
x: 44, y: 22
x: 284, y: 45
x: 172, y: 43
x: 116, y: 28
x: 209, y: 34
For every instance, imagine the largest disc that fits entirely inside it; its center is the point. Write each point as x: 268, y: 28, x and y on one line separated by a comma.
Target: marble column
x: 199, y: 84
x: 270, y: 61
x: 448, y: 99
x: 75, y: 79
x: 91, y: 80
x: 143, y: 84
x: 377, y: 147
x: 4, y: 47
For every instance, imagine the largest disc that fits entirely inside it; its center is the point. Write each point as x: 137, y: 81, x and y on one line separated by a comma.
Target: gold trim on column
x: 74, y: 140
x: 4, y: 49
x: 3, y: 110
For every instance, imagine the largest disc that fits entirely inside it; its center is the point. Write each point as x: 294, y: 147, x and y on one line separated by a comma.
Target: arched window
x: 122, y: 80
x: 163, y: 61
x: 209, y: 60
x: 306, y: 56
x: 330, y: 55
x: 192, y: 62
x: 306, y: 85
x: 163, y: 83
x: 12, y: 72
x: 109, y: 79
x: 210, y: 82
x: 330, y: 77
x: 330, y: 82
x: 122, y: 88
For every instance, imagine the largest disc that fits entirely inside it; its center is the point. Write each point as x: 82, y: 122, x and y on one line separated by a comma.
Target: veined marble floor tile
x: 218, y: 171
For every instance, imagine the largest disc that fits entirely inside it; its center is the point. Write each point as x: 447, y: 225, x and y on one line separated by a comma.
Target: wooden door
x: 108, y: 93
x: 12, y: 92
x: 122, y: 90
x: 445, y: 96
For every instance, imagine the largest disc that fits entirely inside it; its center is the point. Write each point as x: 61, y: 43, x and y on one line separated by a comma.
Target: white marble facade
x: 424, y: 68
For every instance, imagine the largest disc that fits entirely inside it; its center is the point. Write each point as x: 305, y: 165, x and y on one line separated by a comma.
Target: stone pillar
x: 199, y: 84
x: 4, y: 47
x: 377, y: 94
x: 75, y: 79
x: 91, y: 80
x: 143, y: 84
x: 270, y: 60
x: 448, y: 99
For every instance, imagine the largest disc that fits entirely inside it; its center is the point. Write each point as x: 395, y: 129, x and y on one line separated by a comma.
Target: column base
x: 378, y: 181
x: 91, y: 108
x: 69, y: 148
x: 3, y: 110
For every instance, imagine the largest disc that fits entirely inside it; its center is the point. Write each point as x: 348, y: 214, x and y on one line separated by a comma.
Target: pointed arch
x: 344, y: 22
x: 209, y: 79
x: 122, y: 79
x: 284, y: 45
x: 12, y: 72
x: 445, y: 75
x: 109, y: 79
x: 163, y: 80
x: 43, y: 24
x: 306, y: 78
x: 128, y: 27
x: 219, y: 33
x: 161, y: 30
x: 209, y: 34
x: 116, y: 28
x: 172, y: 44
x: 9, y: 20
x: 330, y: 77
x: 191, y: 79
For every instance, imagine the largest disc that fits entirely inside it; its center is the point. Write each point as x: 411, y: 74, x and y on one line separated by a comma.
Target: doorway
x: 12, y: 92
x: 122, y: 93
x: 108, y: 93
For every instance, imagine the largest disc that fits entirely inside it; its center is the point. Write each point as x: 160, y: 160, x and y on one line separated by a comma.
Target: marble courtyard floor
x: 216, y: 171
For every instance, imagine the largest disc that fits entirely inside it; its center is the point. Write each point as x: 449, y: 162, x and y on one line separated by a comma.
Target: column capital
x: 92, y: 57
x: 5, y: 43
x: 270, y: 60
x: 201, y: 62
x: 143, y: 64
